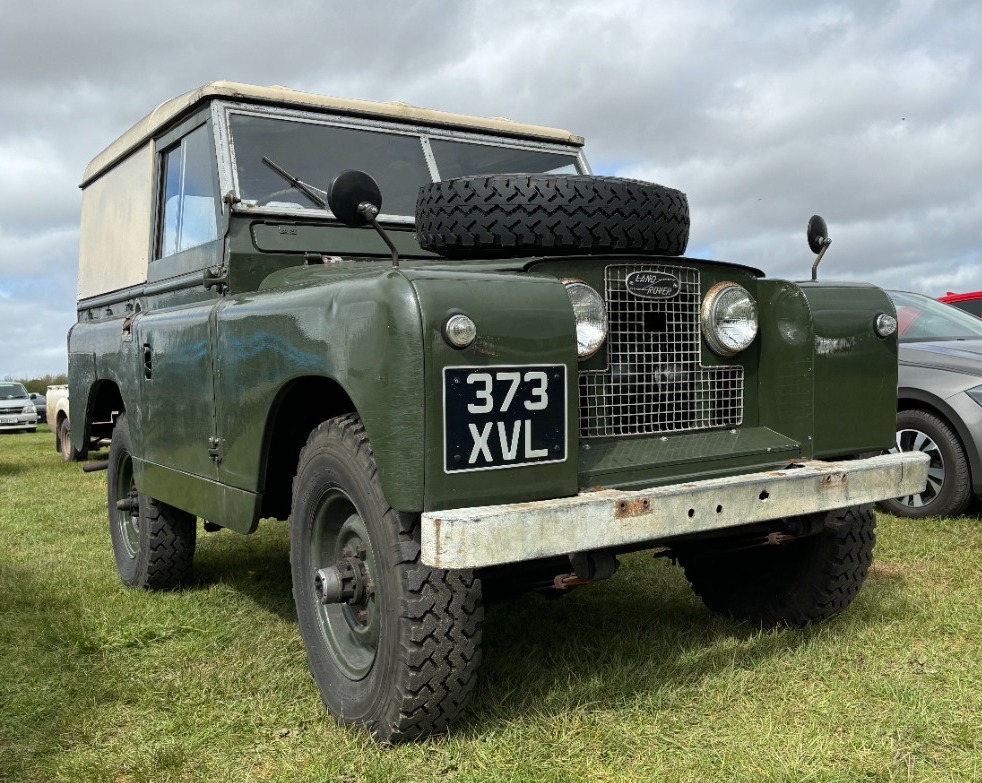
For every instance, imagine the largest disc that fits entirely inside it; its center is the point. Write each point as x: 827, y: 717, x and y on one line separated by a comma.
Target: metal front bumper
x: 489, y: 535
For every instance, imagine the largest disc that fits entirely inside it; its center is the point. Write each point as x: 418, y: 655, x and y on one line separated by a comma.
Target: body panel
x: 357, y: 324
x: 115, y: 234
x: 851, y: 363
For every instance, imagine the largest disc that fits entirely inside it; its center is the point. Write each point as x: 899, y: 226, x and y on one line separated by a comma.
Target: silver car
x: 17, y: 411
x: 939, y: 403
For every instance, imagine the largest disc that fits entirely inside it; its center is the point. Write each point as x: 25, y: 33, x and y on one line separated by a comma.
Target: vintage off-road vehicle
x: 458, y: 382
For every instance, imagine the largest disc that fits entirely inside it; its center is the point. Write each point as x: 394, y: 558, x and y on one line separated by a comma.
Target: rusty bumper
x: 489, y: 535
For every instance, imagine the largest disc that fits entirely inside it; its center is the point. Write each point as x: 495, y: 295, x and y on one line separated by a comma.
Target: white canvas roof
x: 284, y: 96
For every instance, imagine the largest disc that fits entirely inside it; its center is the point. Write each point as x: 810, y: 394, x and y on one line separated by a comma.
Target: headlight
x: 976, y: 394
x: 591, y: 317
x: 29, y: 409
x: 729, y: 318
x: 885, y: 325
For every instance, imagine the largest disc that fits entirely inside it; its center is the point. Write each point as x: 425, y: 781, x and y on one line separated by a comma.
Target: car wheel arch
x: 297, y: 409
x: 916, y: 399
x: 104, y: 400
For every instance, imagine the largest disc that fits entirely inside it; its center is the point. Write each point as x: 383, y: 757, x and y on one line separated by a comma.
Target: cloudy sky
x: 762, y: 112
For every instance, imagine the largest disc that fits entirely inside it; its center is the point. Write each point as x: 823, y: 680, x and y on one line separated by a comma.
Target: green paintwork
x: 521, y: 319
x: 287, y: 237
x: 825, y: 378
x: 656, y: 460
x: 785, y: 362
x: 356, y: 324
x: 855, y: 371
x: 254, y: 339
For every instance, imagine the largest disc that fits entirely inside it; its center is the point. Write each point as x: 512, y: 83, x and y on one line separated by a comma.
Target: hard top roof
x: 172, y: 109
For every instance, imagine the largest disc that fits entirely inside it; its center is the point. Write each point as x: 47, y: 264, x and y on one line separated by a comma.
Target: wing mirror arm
x: 818, y: 258
x: 370, y: 213
x: 818, y: 240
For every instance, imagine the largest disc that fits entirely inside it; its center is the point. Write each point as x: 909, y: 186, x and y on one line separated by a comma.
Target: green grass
x: 626, y: 680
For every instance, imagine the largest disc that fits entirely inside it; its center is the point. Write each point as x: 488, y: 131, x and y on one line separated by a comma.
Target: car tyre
x: 153, y: 542
x: 63, y: 437
x: 949, y: 482
x: 547, y: 214
x: 402, y: 658
x: 803, y: 581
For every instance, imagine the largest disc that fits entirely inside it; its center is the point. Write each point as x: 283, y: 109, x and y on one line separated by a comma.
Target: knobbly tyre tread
x: 550, y: 214
x: 172, y: 534
x: 809, y: 583
x: 438, y: 620
x: 165, y: 550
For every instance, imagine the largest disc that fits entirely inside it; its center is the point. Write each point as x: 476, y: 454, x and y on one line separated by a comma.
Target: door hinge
x: 215, y: 447
x: 216, y: 277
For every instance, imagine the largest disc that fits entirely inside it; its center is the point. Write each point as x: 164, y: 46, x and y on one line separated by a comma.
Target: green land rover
x: 462, y: 367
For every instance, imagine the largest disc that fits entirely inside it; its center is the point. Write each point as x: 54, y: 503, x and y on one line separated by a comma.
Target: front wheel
x: 802, y: 581
x: 949, y: 486
x: 153, y: 542
x: 393, y: 644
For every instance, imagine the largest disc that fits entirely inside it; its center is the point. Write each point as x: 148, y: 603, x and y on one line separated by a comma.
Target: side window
x: 188, y: 195
x: 973, y: 306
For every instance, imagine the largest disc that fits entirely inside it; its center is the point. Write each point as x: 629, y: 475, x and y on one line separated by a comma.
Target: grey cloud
x: 764, y: 112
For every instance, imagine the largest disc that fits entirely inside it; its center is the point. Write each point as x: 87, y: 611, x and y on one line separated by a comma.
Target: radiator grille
x: 654, y: 381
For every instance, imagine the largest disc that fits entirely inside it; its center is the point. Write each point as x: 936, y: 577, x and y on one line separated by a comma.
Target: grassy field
x: 627, y: 680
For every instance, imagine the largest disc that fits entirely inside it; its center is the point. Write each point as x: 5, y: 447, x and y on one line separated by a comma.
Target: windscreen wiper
x: 308, y: 190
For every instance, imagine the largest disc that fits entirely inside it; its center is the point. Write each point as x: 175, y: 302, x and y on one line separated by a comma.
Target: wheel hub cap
x: 915, y: 440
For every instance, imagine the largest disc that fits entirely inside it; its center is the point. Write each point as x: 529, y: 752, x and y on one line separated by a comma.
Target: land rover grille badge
x: 652, y: 285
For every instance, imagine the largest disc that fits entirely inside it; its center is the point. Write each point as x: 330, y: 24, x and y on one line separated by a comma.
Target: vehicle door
x: 175, y: 330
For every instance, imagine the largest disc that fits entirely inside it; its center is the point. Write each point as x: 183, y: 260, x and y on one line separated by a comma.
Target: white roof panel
x: 172, y: 109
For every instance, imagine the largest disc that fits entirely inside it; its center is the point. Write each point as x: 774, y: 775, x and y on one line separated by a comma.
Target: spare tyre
x: 550, y: 214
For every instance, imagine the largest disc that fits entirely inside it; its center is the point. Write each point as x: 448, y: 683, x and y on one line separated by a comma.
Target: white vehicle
x: 17, y: 412
x: 57, y: 402
x: 59, y: 421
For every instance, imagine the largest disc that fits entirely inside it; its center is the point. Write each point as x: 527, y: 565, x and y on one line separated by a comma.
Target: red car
x: 970, y: 302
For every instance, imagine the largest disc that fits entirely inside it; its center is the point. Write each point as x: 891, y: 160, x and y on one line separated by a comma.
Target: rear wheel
x: 64, y: 437
x: 805, y: 580
x: 393, y: 644
x: 153, y: 542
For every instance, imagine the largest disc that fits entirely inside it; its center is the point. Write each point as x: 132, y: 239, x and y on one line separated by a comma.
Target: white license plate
x: 8, y: 420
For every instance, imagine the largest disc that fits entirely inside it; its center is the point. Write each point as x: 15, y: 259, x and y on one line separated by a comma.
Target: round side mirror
x: 817, y: 233
x: 348, y: 195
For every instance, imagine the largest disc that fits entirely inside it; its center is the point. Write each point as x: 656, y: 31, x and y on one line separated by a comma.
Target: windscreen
x: 12, y: 391
x: 458, y: 159
x: 316, y: 152
x: 920, y: 318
